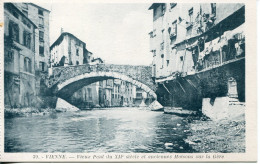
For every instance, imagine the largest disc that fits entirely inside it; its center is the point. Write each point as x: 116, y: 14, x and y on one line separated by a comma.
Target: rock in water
x: 155, y: 106
x: 63, y: 105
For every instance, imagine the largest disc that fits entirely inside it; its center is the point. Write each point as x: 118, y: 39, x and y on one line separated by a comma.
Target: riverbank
x: 224, y: 136
x: 19, y: 112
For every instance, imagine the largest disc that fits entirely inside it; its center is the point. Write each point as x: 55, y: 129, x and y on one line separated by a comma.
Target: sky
x: 117, y: 33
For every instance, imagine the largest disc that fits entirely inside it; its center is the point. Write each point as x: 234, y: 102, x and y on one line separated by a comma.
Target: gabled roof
x: 39, y: 7
x: 60, y: 38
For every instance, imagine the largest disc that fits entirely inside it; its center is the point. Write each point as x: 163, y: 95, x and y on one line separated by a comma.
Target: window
x: 41, y: 50
x: 191, y: 15
x: 41, y: 23
x: 163, y: 9
x: 27, y: 65
x: 14, y: 31
x: 167, y: 61
x: 77, y: 62
x: 139, y: 95
x: 89, y: 93
x: 77, y: 52
x: 162, y: 56
x: 181, y: 58
x: 151, y: 34
x: 40, y: 12
x: 41, y: 36
x: 41, y: 66
x: 213, y: 9
x: 9, y: 56
x: 154, y: 53
x: 27, y: 39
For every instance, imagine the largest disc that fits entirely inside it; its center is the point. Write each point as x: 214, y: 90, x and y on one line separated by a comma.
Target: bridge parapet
x: 142, y: 74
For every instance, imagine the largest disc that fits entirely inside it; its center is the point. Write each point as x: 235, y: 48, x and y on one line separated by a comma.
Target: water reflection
x: 109, y: 130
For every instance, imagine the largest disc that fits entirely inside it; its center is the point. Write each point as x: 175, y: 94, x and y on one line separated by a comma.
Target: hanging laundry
x: 208, y: 48
x: 216, y: 44
x: 239, y: 50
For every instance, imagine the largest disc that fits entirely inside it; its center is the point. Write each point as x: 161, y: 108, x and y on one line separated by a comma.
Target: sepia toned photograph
x: 124, y: 78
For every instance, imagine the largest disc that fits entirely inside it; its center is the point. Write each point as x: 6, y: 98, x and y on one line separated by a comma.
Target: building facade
x: 19, y: 58
x: 87, y: 97
x: 189, y: 39
x: 40, y: 17
x: 69, y: 50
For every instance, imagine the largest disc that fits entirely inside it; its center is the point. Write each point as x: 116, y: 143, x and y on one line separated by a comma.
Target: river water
x: 121, y: 130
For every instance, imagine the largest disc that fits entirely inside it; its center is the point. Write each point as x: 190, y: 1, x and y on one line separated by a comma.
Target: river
x: 121, y: 130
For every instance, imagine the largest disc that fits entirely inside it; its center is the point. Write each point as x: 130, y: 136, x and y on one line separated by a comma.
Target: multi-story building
x: 19, y: 57
x: 116, y: 97
x: 115, y: 92
x: 87, y: 97
x: 127, y: 91
x: 69, y: 50
x: 39, y: 16
x: 105, y: 92
x: 189, y: 39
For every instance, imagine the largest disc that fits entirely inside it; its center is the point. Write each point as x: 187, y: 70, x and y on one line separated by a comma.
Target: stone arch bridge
x: 64, y: 81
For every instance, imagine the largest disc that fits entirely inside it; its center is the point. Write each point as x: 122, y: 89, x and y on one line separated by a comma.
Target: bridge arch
x: 66, y: 88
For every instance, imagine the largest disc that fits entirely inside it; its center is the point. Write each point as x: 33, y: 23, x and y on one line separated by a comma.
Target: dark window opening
x: 41, y: 36
x: 40, y: 12
x: 163, y: 9
x: 9, y: 56
x: 14, y: 31
x: 162, y: 56
x: 77, y: 62
x: 90, y: 94
x: 213, y: 9
x: 42, y: 66
x: 27, y: 65
x: 27, y: 39
x: 41, y: 50
x: 181, y: 58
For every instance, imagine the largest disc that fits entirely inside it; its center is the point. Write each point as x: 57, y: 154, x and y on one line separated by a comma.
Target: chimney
x: 61, y: 30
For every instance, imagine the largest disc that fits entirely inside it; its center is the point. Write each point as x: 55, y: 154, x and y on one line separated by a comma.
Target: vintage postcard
x: 128, y: 81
